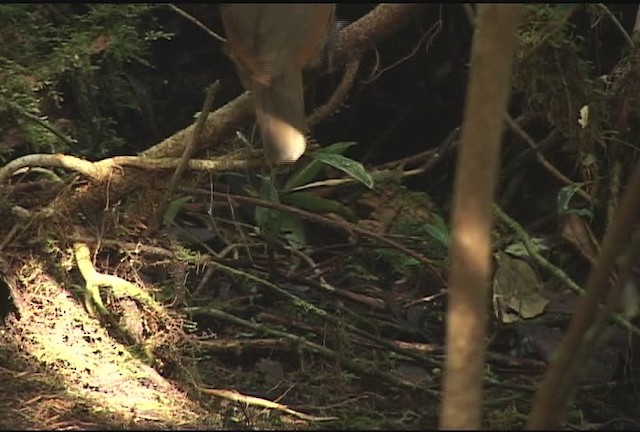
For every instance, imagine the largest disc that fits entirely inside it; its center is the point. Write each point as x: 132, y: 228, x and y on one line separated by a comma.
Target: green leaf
x: 310, y: 171
x: 337, y: 148
x: 439, y: 231
x: 564, y: 197
x: 269, y: 220
x: 580, y: 212
x: 174, y: 207
x: 349, y: 166
x: 293, y: 231
x: 589, y: 160
x: 318, y: 204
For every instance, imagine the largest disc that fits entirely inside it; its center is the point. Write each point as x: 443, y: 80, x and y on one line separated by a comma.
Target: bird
x: 271, y: 44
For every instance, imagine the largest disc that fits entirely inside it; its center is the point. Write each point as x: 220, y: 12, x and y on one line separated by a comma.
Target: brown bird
x: 271, y: 44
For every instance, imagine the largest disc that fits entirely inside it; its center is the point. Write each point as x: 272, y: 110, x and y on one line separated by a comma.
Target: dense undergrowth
x: 330, y: 297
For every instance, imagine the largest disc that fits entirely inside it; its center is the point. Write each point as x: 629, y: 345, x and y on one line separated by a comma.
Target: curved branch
x: 230, y: 116
x: 89, y: 169
x: 339, y: 95
x: 355, y: 39
x: 100, y: 170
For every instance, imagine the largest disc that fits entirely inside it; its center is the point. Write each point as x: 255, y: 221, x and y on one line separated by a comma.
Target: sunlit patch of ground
x: 85, y: 373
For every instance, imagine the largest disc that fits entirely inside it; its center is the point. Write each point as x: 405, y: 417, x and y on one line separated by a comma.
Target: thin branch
x: 191, y: 18
x: 339, y: 95
x: 430, y: 34
x: 39, y: 121
x: 617, y: 23
x: 543, y: 161
x: 345, y: 226
x: 189, y: 150
x: 523, y: 236
x: 353, y: 365
x: 255, y: 401
x: 549, y: 406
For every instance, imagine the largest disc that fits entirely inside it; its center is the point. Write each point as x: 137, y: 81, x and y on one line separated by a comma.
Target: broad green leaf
x: 336, y: 148
x: 310, y: 171
x: 174, y: 207
x: 349, y: 166
x: 318, y: 204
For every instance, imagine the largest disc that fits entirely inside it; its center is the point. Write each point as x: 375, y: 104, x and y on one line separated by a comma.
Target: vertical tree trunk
x: 492, y: 53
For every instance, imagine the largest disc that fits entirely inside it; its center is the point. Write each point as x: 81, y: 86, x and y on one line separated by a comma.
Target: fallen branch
x: 255, y: 401
x: 101, y: 170
x: 354, y: 40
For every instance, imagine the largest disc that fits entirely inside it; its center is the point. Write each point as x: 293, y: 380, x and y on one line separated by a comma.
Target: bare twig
x: 252, y: 400
x: 191, y: 18
x: 543, y: 161
x: 617, y: 23
x: 224, y: 119
x: 45, y: 124
x: 345, y: 226
x: 355, y: 366
x: 384, y: 20
x: 189, y: 150
x: 429, y: 35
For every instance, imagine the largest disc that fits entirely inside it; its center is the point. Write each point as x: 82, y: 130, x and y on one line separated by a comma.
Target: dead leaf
x: 99, y: 44
x: 516, y: 290
x: 577, y: 232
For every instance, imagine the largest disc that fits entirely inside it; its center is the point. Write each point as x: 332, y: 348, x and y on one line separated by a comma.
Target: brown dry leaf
x: 390, y: 204
x: 99, y: 44
x: 563, y: 302
x: 577, y: 232
x: 516, y: 290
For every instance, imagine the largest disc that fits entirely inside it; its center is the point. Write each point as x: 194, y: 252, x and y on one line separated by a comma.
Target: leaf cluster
x: 71, y: 61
